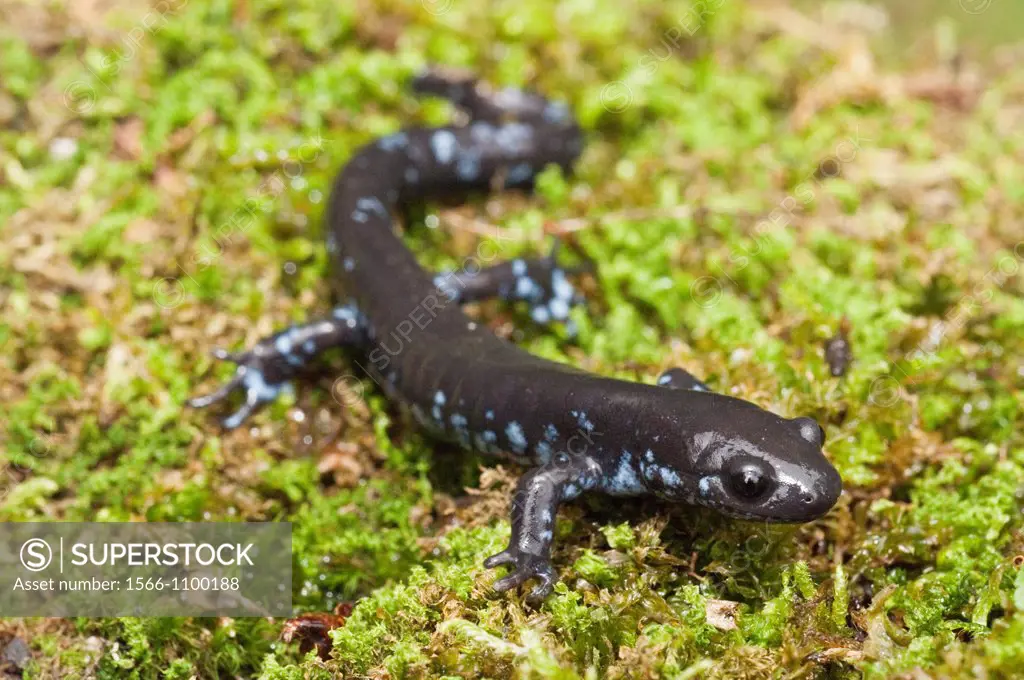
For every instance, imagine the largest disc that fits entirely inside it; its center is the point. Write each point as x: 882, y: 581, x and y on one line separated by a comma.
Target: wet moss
x: 164, y: 194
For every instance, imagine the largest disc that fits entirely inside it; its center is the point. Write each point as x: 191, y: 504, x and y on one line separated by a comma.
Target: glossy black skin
x: 578, y: 431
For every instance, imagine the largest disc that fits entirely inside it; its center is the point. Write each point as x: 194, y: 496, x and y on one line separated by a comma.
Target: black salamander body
x: 577, y: 431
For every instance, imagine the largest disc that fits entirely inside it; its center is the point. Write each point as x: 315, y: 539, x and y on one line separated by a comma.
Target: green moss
x: 385, y: 624
x: 198, y: 169
x: 619, y: 536
x: 767, y: 626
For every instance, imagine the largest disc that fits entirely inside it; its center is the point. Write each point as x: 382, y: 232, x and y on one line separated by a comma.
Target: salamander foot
x: 266, y: 370
x: 251, y: 377
x: 525, y: 566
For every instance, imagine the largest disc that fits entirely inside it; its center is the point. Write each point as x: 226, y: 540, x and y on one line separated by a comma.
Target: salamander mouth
x: 795, y: 508
x: 769, y: 516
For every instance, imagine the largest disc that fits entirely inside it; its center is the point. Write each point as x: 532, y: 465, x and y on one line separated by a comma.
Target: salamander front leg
x: 680, y: 379
x: 537, y: 497
x: 540, y: 282
x: 266, y: 370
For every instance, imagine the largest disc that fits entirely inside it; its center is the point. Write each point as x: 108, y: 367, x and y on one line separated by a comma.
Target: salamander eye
x: 750, y: 480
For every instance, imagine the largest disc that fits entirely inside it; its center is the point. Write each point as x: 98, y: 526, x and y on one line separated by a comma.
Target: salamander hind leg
x: 534, y: 506
x: 266, y: 370
x: 680, y: 379
x: 542, y: 283
x: 483, y: 103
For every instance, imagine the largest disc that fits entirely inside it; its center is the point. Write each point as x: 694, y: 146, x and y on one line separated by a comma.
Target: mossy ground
x: 752, y: 179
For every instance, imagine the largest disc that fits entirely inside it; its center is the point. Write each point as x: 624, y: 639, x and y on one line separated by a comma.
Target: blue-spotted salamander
x: 578, y: 432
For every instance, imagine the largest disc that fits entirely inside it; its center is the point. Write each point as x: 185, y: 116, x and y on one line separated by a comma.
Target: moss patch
x: 752, y: 180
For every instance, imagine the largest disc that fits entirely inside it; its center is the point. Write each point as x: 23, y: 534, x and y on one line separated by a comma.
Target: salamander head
x: 756, y: 465
x: 778, y: 475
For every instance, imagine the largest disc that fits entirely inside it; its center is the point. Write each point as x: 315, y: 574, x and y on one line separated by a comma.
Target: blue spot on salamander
x: 394, y: 142
x: 515, y: 139
x: 481, y: 132
x: 438, y: 403
x: 704, y: 486
x: 372, y: 204
x: 516, y: 437
x: 347, y: 314
x: 669, y: 477
x: 550, y: 433
x: 561, y: 287
x: 544, y: 452
x: 625, y: 479
x: 556, y: 112
x: 526, y: 289
x: 443, y: 143
x: 584, y: 422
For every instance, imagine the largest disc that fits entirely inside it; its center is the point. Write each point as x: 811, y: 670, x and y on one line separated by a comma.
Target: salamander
x: 577, y: 432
